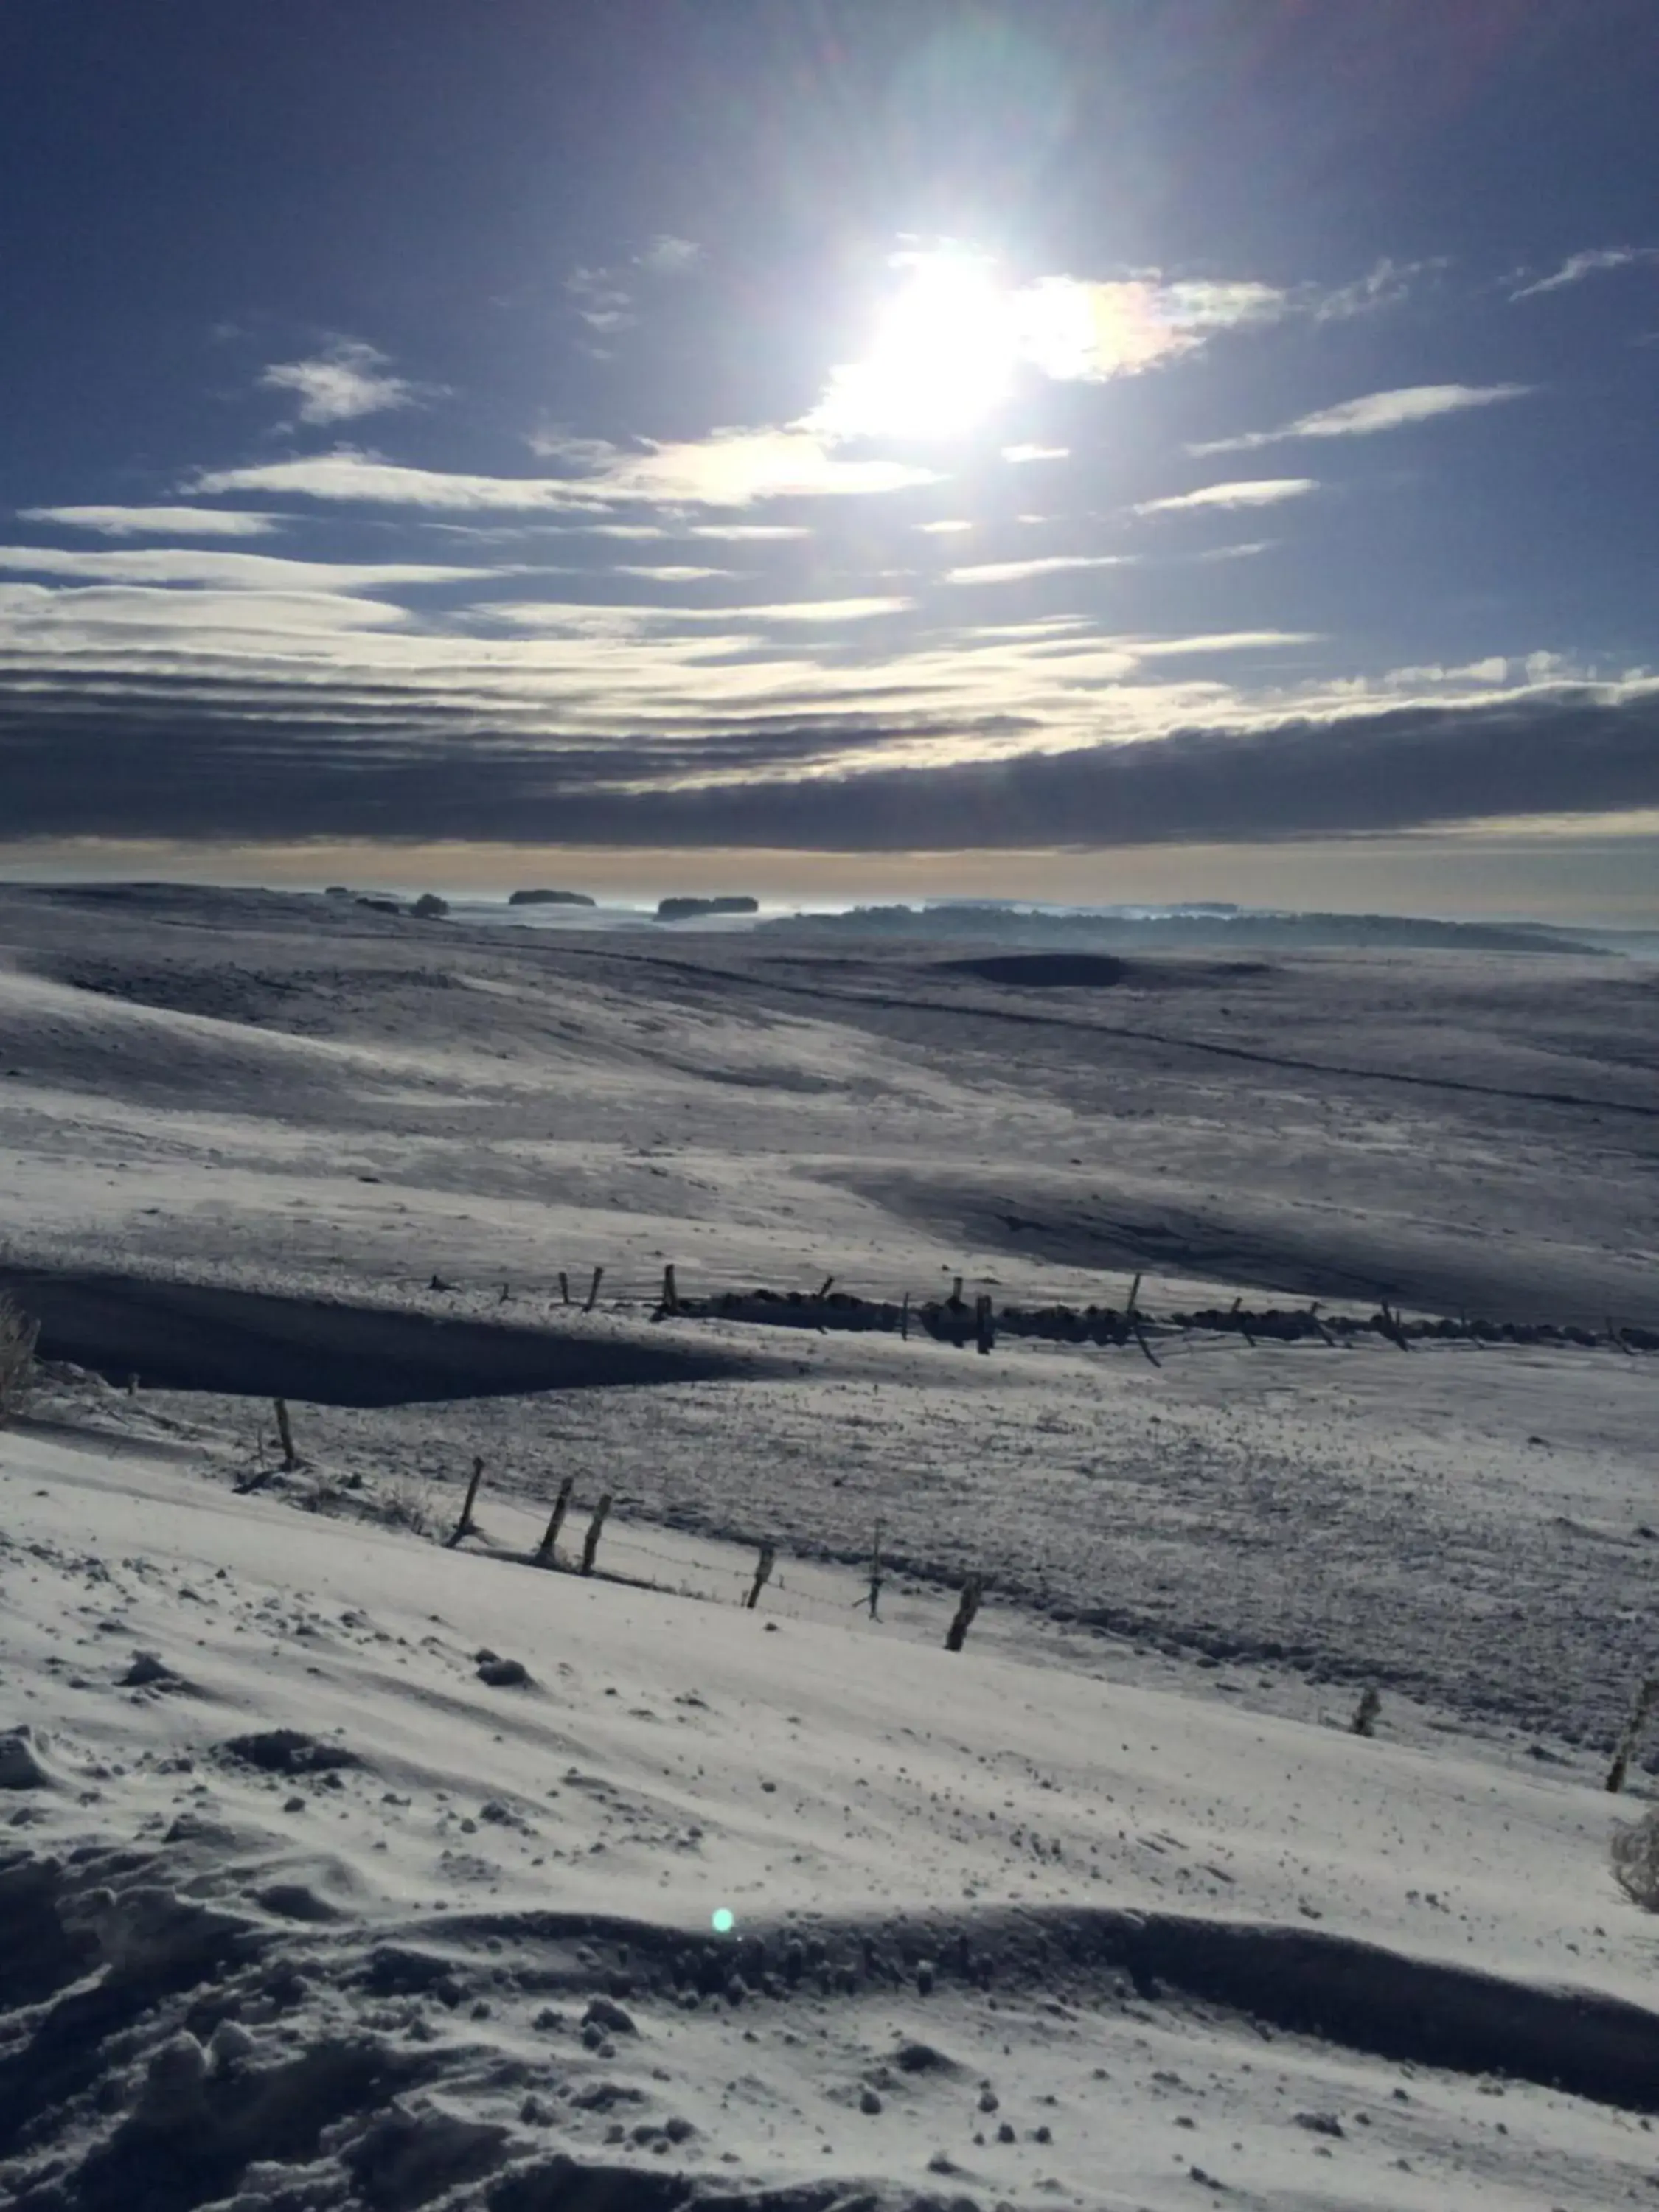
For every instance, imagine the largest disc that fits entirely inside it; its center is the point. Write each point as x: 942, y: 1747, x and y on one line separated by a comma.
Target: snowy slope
x: 1001, y: 1933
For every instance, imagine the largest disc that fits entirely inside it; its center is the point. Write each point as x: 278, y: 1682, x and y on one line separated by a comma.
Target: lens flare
x: 723, y: 1920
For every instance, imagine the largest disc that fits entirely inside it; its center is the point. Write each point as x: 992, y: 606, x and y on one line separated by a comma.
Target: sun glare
x: 942, y: 358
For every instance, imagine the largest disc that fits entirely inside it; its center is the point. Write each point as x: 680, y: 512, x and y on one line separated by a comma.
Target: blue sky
x: 1014, y: 444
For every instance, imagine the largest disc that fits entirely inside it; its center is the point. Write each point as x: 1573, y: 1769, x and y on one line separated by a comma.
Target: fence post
x: 984, y: 1332
x: 763, y: 1567
x: 561, y: 1507
x: 464, y: 1527
x: 875, y: 1575
x: 595, y: 1527
x: 1134, y: 1293
x: 972, y: 1589
x: 904, y: 1318
x: 285, y: 1431
x: 1646, y: 1697
x: 564, y: 1287
x: 671, y: 1296
x: 594, y: 1289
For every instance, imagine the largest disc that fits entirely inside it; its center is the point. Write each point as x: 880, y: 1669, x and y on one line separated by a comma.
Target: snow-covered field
x: 1110, y: 1909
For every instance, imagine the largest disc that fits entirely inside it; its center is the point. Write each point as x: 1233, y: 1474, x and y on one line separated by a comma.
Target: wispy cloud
x: 750, y: 532
x: 1092, y: 329
x: 157, y: 521
x: 1262, y: 491
x: 1229, y: 640
x: 606, y: 298
x: 1389, y: 284
x: 258, y: 572
x: 603, y: 301
x: 613, y: 621
x: 347, y: 379
x: 1016, y: 572
x: 728, y: 468
x: 668, y: 256
x: 669, y: 572
x: 1596, y: 263
x: 1377, y: 410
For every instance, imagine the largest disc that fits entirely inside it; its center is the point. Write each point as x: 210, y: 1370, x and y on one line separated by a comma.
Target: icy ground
x: 1121, y: 1853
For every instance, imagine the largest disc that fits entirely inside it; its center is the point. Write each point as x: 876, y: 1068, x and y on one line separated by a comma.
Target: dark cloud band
x: 125, y: 756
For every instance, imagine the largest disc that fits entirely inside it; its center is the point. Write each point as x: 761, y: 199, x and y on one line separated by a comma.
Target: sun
x: 941, y: 359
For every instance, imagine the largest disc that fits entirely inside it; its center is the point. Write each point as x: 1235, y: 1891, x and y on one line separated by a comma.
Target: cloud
x: 668, y: 256
x: 1578, y: 266
x: 1091, y: 330
x: 533, y: 615
x: 1262, y: 491
x: 135, y: 750
x: 1021, y: 454
x: 669, y: 572
x: 749, y: 532
x: 168, y: 565
x: 817, y: 611
x: 157, y: 521
x: 1246, y: 552
x: 1377, y: 410
x: 605, y: 298
x: 1388, y: 285
x: 348, y: 380
x: 138, y: 618
x: 604, y: 303
x: 1015, y: 572
x: 728, y: 468
x: 1232, y: 640
x: 1100, y: 330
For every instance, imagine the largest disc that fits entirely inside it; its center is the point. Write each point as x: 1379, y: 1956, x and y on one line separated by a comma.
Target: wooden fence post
x: 464, y: 1527
x: 972, y: 1590
x: 1646, y: 1697
x: 561, y: 1507
x: 285, y: 1431
x: 825, y: 1289
x: 594, y: 1289
x: 671, y: 1296
x: 984, y: 1329
x: 595, y: 1527
x: 1242, y: 1324
x: 904, y: 1318
x: 875, y: 1575
x: 1134, y: 1293
x: 763, y: 1566
x: 1394, y: 1328
x: 564, y: 1288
